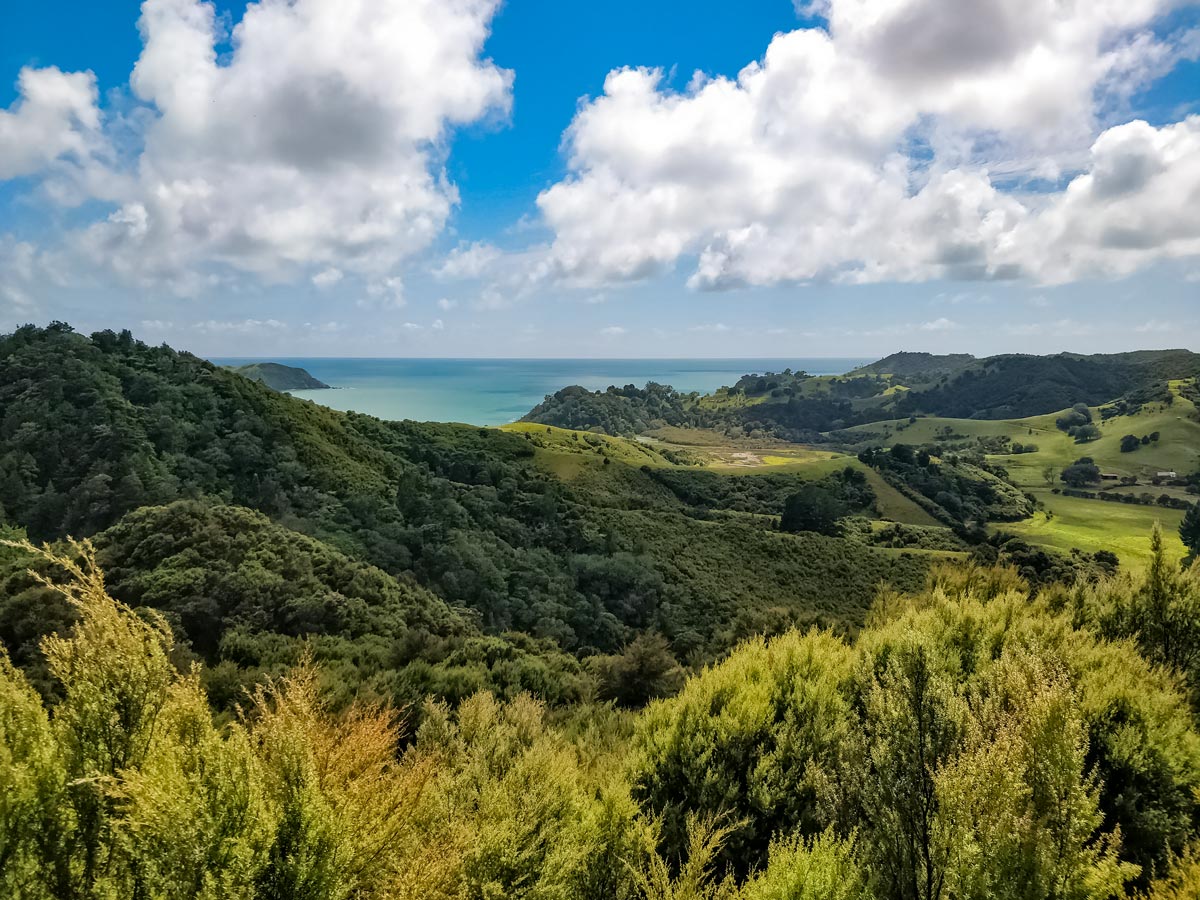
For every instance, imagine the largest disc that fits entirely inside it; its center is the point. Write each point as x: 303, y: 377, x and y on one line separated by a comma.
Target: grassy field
x: 1178, y: 448
x: 928, y: 430
x: 1092, y: 525
x: 1070, y: 522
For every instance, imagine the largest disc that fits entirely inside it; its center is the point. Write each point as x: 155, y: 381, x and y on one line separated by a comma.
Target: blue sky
x: 457, y: 178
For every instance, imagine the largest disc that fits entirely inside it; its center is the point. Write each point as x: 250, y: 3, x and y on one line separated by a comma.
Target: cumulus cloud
x: 55, y: 117
x: 492, y: 298
x: 886, y: 146
x: 612, y: 331
x: 242, y: 326
x: 315, y: 144
x: 327, y: 277
x: 942, y: 324
x: 1138, y: 201
x: 1156, y: 326
x: 1062, y: 327
x: 468, y: 261
x: 25, y: 270
x: 387, y: 293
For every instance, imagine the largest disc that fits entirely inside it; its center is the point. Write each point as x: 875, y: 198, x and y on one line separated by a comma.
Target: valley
x: 449, y: 631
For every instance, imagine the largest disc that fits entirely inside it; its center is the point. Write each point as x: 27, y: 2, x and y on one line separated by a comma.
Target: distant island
x: 279, y: 377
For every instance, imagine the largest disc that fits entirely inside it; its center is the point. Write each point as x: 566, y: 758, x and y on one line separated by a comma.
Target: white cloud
x: 715, y: 327
x: 242, y: 326
x: 327, y: 277
x: 1156, y: 326
x: 387, y: 293
x: 324, y: 327
x: 24, y: 269
x: 942, y: 324
x: 962, y: 298
x: 1135, y: 203
x: 446, y: 304
x: 438, y: 325
x: 1065, y: 328
x: 885, y: 148
x: 491, y: 298
x: 412, y: 326
x: 317, y: 141
x: 468, y: 261
x: 612, y: 331
x: 54, y: 117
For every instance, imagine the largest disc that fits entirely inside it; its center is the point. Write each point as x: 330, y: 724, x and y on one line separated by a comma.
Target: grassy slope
x: 567, y: 453
x: 1093, y: 525
x: 573, y: 458
x: 767, y: 579
x: 891, y: 503
x: 1090, y: 525
x: 1068, y: 522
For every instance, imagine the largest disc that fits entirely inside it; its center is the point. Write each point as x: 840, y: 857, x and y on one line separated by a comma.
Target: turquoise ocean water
x: 497, y: 391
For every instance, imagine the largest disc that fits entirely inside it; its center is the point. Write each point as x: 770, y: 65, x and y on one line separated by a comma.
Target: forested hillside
x: 976, y: 741
x: 489, y: 571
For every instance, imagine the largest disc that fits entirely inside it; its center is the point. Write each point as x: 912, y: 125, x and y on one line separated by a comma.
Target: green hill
x: 920, y: 366
x: 798, y: 407
x: 562, y: 536
x: 279, y: 377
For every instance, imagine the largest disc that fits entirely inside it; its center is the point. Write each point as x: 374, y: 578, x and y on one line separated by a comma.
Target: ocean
x: 497, y: 391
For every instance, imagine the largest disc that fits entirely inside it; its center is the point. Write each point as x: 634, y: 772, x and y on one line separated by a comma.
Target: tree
x: 1130, y: 443
x: 1189, y: 530
x: 739, y: 742
x: 812, y: 508
x: 1081, y: 473
x: 1050, y: 476
x: 1079, y: 416
x: 1028, y: 814
x: 1161, y: 610
x: 912, y: 726
x: 1085, y: 433
x: 644, y: 671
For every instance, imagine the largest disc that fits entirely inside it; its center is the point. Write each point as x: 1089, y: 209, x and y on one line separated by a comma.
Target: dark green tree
x: 1189, y: 530
x: 812, y: 508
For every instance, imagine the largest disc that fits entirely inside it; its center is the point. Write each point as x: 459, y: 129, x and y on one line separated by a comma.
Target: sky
x: 465, y: 178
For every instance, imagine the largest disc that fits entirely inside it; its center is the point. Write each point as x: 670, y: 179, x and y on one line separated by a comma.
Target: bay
x: 497, y: 391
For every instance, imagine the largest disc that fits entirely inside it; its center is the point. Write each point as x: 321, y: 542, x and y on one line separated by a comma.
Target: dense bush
x: 1082, y: 472
x: 952, y: 490
x: 251, y: 598
x: 972, y: 741
x: 765, y: 493
x: 957, y: 721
